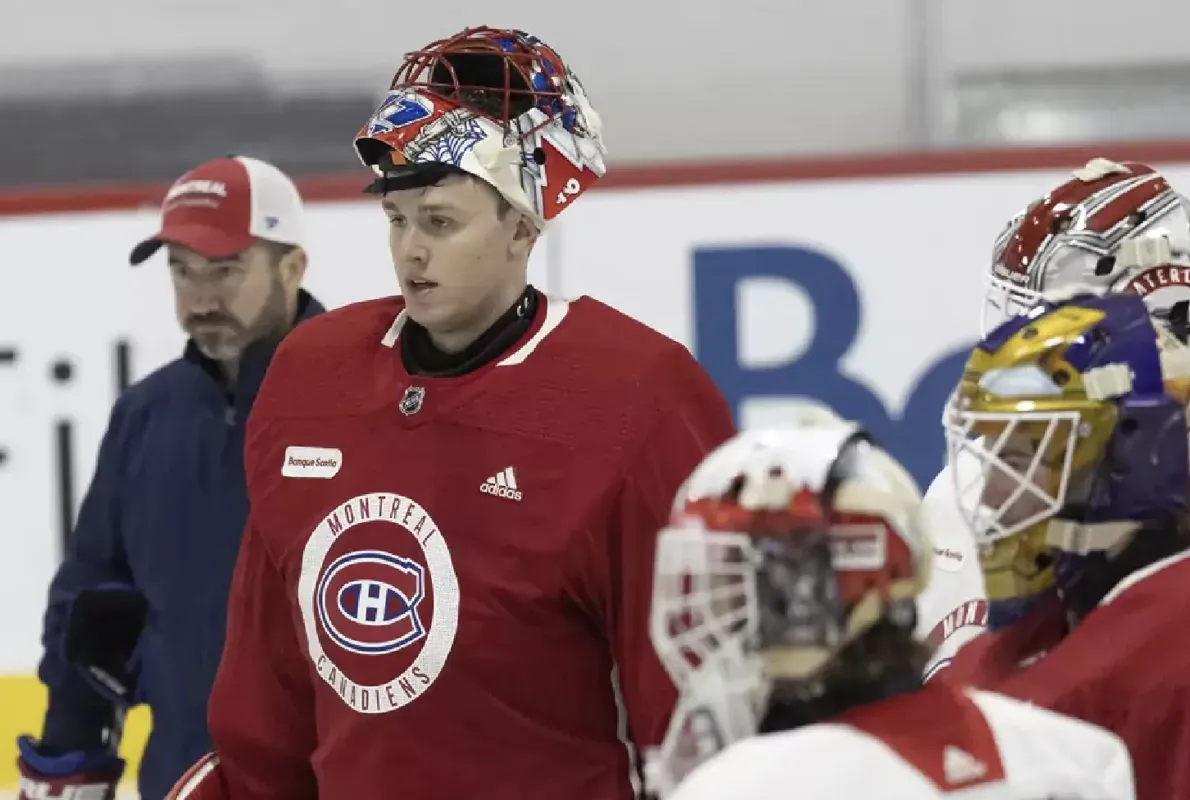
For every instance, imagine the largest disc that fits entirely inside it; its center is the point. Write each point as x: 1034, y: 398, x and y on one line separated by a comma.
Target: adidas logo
x: 502, y: 484
x: 959, y: 766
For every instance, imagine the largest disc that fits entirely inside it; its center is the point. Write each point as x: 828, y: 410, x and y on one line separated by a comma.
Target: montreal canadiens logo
x: 380, y: 601
x: 367, y: 602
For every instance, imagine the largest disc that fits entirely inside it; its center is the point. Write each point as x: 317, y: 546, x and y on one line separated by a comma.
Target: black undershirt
x: 421, y: 357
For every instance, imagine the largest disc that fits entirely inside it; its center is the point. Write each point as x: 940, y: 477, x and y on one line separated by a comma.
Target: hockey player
x: 784, y: 610
x: 443, y: 590
x: 1120, y: 227
x: 1076, y: 417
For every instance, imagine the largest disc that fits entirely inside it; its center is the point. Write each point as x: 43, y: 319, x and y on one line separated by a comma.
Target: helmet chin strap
x: 1082, y: 538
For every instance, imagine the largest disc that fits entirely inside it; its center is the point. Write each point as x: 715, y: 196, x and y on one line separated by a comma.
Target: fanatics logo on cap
x: 312, y: 462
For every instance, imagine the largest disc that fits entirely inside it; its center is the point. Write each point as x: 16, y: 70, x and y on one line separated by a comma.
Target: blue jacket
x: 164, y: 513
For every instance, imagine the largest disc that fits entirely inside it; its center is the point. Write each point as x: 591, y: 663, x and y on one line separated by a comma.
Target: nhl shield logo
x: 412, y: 399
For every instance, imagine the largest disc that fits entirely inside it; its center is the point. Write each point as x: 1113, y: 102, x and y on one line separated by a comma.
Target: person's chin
x: 425, y: 308
x: 218, y: 347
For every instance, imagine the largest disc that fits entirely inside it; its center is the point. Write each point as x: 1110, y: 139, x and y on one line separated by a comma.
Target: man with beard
x: 137, y: 610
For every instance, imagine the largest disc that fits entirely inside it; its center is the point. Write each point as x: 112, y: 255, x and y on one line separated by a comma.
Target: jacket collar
x: 256, y: 357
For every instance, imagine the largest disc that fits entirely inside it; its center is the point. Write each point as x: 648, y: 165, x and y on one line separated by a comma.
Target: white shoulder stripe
x: 1138, y: 576
x: 935, y: 668
x: 556, y: 311
x: 394, y: 331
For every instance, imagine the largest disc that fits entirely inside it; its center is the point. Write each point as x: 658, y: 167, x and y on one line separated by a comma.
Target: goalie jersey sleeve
x: 690, y: 418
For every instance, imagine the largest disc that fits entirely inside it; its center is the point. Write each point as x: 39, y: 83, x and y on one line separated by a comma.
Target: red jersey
x: 1124, y: 667
x: 444, y: 587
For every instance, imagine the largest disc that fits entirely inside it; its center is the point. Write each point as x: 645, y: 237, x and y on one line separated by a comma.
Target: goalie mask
x: 785, y: 545
x: 497, y: 104
x: 1073, y: 235
x: 1076, y: 415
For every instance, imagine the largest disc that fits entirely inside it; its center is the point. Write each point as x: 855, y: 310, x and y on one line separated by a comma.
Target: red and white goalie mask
x: 498, y: 104
x: 1073, y: 235
x: 785, y: 545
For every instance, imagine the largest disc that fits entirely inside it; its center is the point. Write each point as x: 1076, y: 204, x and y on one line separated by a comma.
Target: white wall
x: 751, y: 77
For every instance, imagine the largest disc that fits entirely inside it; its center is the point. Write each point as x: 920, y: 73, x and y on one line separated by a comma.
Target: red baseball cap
x: 220, y: 208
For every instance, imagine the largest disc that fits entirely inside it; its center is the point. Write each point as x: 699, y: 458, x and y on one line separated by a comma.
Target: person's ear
x: 293, y: 267
x: 524, y: 236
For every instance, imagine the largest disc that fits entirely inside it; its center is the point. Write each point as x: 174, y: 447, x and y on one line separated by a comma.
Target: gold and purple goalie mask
x: 1075, y: 416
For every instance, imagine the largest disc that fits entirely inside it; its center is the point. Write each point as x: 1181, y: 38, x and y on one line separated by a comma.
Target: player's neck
x: 458, y: 339
x: 422, y: 355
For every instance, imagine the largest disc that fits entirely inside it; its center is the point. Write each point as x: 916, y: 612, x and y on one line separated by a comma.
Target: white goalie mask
x: 1073, y: 235
x: 785, y: 545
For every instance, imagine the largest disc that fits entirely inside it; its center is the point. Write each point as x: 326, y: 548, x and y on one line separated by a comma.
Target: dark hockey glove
x: 77, y: 776
x: 103, y: 631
